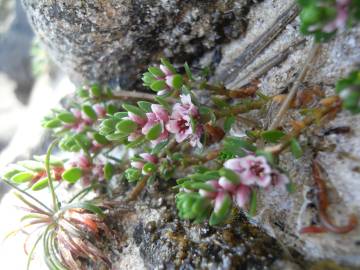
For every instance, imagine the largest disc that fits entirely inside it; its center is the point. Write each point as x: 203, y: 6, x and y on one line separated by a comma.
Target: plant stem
x: 48, y: 172
x: 84, y: 191
x: 285, y: 105
x: 242, y: 108
x: 125, y: 95
x: 138, y: 188
x: 304, y: 124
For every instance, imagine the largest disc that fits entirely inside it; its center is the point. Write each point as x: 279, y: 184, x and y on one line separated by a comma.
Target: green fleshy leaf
x: 41, y: 184
x: 145, y: 106
x: 10, y: 173
x: 296, y: 148
x: 188, y: 72
x: 116, y: 137
x: 89, y: 111
x: 272, y: 136
x: 135, y: 110
x: 148, y: 78
x: 156, y: 72
x: 222, y: 214
x: 22, y: 177
x: 139, y: 141
x: 163, y: 103
x: 235, y: 145
x: 132, y: 175
x: 126, y: 126
x: 109, y: 123
x: 32, y: 165
x: 208, y: 113
x: 269, y: 156
x: 158, y: 85
x: 95, y: 90
x: 121, y: 115
x: 108, y: 171
x: 53, y: 123
x: 310, y: 14
x: 229, y: 121
x: 149, y: 168
x: 177, y: 81
x: 111, y: 109
x: 167, y: 64
x: 72, y: 175
x: 201, y: 185
x: 67, y: 117
x: 219, y: 102
x: 182, y: 180
x: 83, y: 93
x: 87, y: 206
x: 157, y: 149
x: 229, y: 175
x: 154, y: 132
x: 151, y: 179
x: 205, y: 176
x: 100, y: 139
x: 83, y: 141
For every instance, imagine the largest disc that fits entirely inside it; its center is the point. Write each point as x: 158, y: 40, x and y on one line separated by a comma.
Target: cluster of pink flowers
x: 252, y: 171
x: 146, y: 158
x: 168, y: 78
x: 342, y: 9
x: 89, y: 170
x: 182, y: 122
x: 82, y: 120
x: 158, y: 116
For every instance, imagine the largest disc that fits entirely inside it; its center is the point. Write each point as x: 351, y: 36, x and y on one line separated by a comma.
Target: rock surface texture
x: 111, y: 41
x: 280, y: 213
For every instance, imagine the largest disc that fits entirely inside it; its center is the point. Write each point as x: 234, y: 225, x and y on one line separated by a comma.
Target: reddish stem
x: 323, y: 203
x: 313, y: 229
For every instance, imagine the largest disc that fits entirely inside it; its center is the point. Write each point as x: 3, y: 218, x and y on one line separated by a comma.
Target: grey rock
x: 111, y: 42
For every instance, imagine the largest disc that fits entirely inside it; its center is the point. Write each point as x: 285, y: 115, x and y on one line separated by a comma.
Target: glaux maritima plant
x: 180, y: 128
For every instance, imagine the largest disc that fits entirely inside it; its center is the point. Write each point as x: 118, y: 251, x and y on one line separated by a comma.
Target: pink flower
x: 242, y: 195
x: 210, y: 194
x: 251, y: 170
x: 168, y: 78
x: 165, y: 70
x: 138, y: 120
x: 239, y: 193
x: 226, y: 184
x: 100, y: 110
x: 82, y: 120
x: 158, y: 116
x: 180, y: 122
x: 89, y: 170
x: 219, y: 200
x: 80, y: 161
